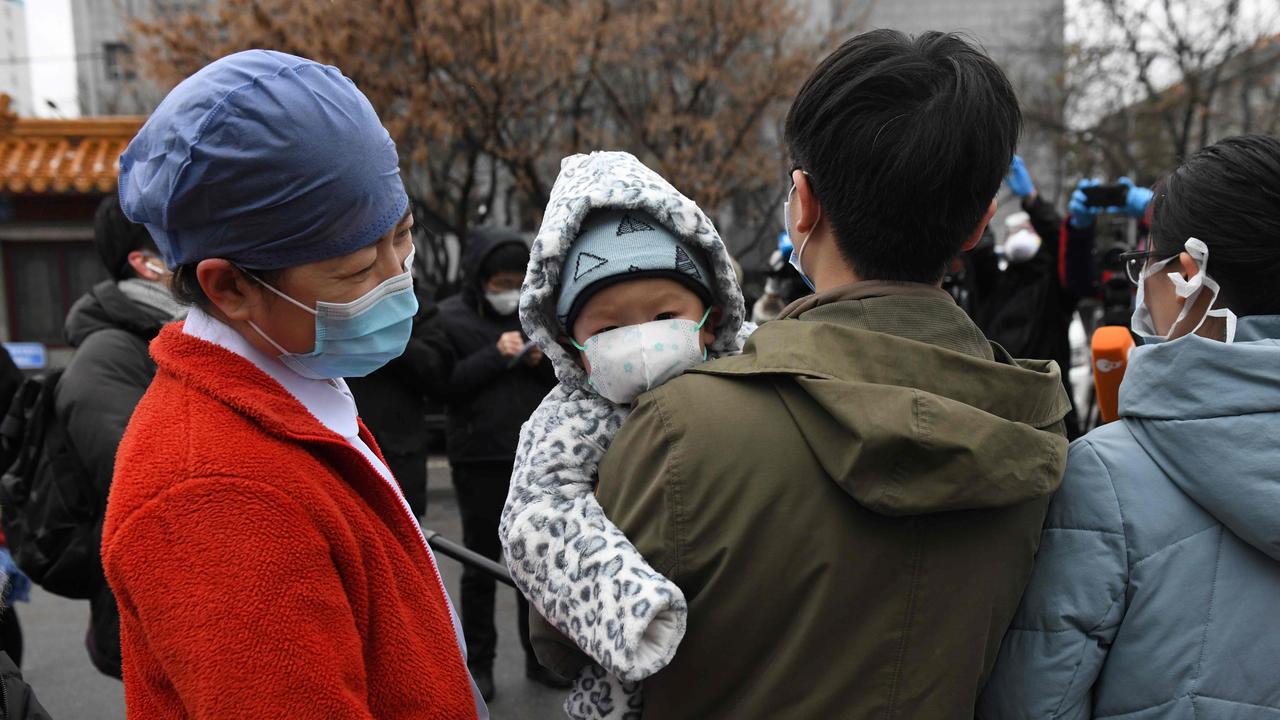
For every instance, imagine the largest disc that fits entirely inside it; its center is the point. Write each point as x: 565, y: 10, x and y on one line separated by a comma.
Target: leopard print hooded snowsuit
x: 578, y: 569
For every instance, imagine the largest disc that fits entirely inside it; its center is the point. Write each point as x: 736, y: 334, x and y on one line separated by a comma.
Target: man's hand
x: 510, y: 344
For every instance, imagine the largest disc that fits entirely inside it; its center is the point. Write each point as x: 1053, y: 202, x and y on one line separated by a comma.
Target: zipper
x: 4, y: 700
x: 389, y: 482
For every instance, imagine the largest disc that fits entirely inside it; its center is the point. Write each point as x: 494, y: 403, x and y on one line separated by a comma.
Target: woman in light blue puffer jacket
x: 1156, y: 591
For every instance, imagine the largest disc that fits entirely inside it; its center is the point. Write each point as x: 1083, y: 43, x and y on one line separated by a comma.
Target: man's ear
x: 138, y: 261
x: 227, y: 288
x: 976, y: 237
x: 807, y: 210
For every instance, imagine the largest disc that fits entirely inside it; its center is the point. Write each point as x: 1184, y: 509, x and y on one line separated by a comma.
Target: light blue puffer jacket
x: 1156, y: 590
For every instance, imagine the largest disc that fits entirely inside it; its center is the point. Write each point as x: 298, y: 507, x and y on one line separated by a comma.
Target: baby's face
x: 640, y: 301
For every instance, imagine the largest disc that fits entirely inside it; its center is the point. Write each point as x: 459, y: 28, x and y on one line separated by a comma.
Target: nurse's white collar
x: 329, y: 401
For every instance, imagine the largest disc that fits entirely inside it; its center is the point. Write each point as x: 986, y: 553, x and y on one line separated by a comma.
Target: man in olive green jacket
x: 852, y: 506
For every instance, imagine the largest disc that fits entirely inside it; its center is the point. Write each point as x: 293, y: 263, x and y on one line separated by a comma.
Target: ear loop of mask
x: 797, y: 251
x: 1189, y: 291
x: 252, y: 324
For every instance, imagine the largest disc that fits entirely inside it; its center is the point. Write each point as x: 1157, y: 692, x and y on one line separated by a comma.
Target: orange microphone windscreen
x: 1111, y: 346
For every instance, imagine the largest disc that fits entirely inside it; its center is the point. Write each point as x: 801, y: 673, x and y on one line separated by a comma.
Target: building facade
x: 108, y: 79
x: 15, y: 75
x: 53, y: 175
x: 1025, y: 36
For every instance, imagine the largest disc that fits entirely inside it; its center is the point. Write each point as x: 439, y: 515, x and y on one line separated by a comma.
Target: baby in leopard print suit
x: 628, y: 286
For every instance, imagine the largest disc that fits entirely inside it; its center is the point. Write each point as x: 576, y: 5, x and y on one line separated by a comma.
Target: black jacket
x: 393, y: 399
x: 488, y: 397
x: 104, y: 381
x: 10, y: 380
x: 17, y: 702
x: 1027, y: 307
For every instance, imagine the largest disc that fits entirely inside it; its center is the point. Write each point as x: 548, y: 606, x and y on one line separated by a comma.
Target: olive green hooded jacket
x: 851, y: 508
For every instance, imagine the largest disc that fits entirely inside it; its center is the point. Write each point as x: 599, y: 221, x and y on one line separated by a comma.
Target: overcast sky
x: 52, y: 52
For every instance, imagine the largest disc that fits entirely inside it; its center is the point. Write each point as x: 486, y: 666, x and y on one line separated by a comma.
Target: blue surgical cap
x: 265, y: 159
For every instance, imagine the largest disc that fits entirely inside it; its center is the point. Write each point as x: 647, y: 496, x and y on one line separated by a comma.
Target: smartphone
x: 1106, y: 195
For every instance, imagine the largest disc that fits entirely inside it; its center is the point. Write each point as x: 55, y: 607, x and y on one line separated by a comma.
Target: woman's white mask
x: 634, y: 359
x: 1187, y: 289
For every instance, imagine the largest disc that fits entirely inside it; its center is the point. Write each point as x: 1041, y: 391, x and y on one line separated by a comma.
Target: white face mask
x: 1189, y: 290
x: 634, y: 359
x: 505, y: 302
x: 798, y: 249
x: 1022, y: 245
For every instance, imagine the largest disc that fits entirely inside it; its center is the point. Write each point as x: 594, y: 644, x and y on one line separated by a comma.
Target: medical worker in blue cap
x: 264, y: 560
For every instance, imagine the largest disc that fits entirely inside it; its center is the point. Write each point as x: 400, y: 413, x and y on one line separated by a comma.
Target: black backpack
x: 48, y: 504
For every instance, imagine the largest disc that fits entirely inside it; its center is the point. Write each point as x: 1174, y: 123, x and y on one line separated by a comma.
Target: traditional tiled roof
x: 61, y: 156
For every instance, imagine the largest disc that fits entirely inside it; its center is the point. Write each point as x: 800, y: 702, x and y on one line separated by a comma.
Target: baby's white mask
x: 631, y: 360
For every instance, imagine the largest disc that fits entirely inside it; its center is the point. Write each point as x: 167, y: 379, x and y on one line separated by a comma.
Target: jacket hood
x: 481, y: 243
x: 105, y: 306
x: 1208, y: 414
x: 908, y: 427
x: 616, y: 180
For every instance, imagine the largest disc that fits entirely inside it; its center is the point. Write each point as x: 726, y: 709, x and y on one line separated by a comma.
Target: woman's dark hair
x: 186, y: 286
x: 1228, y: 196
x: 905, y: 141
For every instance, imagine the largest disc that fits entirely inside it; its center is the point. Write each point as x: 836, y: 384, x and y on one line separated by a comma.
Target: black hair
x: 115, y: 236
x: 905, y: 141
x: 1228, y: 196
x: 507, y: 257
x: 185, y: 285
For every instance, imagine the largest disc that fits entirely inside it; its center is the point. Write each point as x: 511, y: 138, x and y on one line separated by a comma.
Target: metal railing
x: 456, y: 551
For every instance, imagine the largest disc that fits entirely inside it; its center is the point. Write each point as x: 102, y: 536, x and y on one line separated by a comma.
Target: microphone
x: 1111, y: 346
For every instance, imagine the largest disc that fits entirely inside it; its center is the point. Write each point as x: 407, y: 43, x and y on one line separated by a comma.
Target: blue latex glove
x: 784, y: 245
x: 1081, y: 215
x: 1139, y: 197
x: 1018, y: 179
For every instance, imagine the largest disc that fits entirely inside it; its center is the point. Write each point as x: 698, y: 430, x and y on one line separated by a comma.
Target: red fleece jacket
x: 263, y: 568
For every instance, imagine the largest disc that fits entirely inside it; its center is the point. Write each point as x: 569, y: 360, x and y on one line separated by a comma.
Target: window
x: 43, y: 280
x: 117, y: 61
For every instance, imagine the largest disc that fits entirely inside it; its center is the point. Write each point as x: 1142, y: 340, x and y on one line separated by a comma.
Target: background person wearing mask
x: 110, y: 328
x: 496, y: 385
x: 1157, y: 584
x: 265, y: 562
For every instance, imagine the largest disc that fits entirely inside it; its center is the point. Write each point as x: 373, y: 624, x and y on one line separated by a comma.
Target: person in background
x: 110, y: 329
x: 265, y: 561
x: 1080, y: 269
x: 498, y: 381
x: 19, y: 584
x: 392, y: 400
x: 17, y: 701
x: 1157, y: 583
x: 1027, y: 294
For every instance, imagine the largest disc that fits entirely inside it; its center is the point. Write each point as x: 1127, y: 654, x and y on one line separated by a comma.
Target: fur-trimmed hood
x: 616, y: 180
